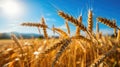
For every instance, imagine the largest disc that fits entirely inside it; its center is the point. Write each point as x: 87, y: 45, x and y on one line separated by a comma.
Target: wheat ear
x: 90, y: 21
x: 34, y: 25
x: 62, y: 49
x: 61, y: 32
x: 54, y: 46
x: 107, y: 22
x: 44, y: 29
x: 67, y: 26
x: 72, y: 20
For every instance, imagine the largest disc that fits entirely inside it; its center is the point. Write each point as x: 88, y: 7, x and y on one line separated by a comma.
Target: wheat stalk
x: 44, y: 29
x: 97, y: 27
x: 115, y: 29
x: 53, y: 30
x: 39, y: 30
x: 77, y: 33
x: 90, y: 21
x: 78, y: 28
x: 67, y: 26
x: 101, y: 58
x: 118, y: 36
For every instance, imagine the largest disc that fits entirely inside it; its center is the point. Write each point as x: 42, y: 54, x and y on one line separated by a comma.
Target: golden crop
x: 92, y: 50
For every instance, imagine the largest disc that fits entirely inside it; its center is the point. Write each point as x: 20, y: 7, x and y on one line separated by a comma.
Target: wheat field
x: 92, y: 50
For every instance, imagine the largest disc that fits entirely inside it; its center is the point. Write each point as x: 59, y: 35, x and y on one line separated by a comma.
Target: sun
x: 11, y: 8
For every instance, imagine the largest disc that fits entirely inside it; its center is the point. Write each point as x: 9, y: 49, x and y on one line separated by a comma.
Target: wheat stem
x: 67, y: 26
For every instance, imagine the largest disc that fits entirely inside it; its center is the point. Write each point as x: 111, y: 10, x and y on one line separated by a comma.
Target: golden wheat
x: 80, y: 19
x: 61, y: 32
x: 77, y: 33
x: 82, y: 51
x: 18, y: 43
x: 82, y: 38
x: 106, y: 22
x: 34, y: 25
x: 101, y: 58
x: 54, y: 46
x: 44, y: 29
x: 62, y: 49
x: 90, y: 21
x: 72, y: 20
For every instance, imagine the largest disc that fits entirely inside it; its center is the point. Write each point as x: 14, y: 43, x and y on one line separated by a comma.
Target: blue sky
x: 14, y: 12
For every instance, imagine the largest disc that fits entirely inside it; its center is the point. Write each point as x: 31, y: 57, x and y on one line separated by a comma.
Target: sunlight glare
x: 12, y: 8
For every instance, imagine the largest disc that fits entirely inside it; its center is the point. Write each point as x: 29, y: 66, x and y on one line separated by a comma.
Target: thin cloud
x: 62, y: 27
x: 50, y: 19
x: 48, y: 14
